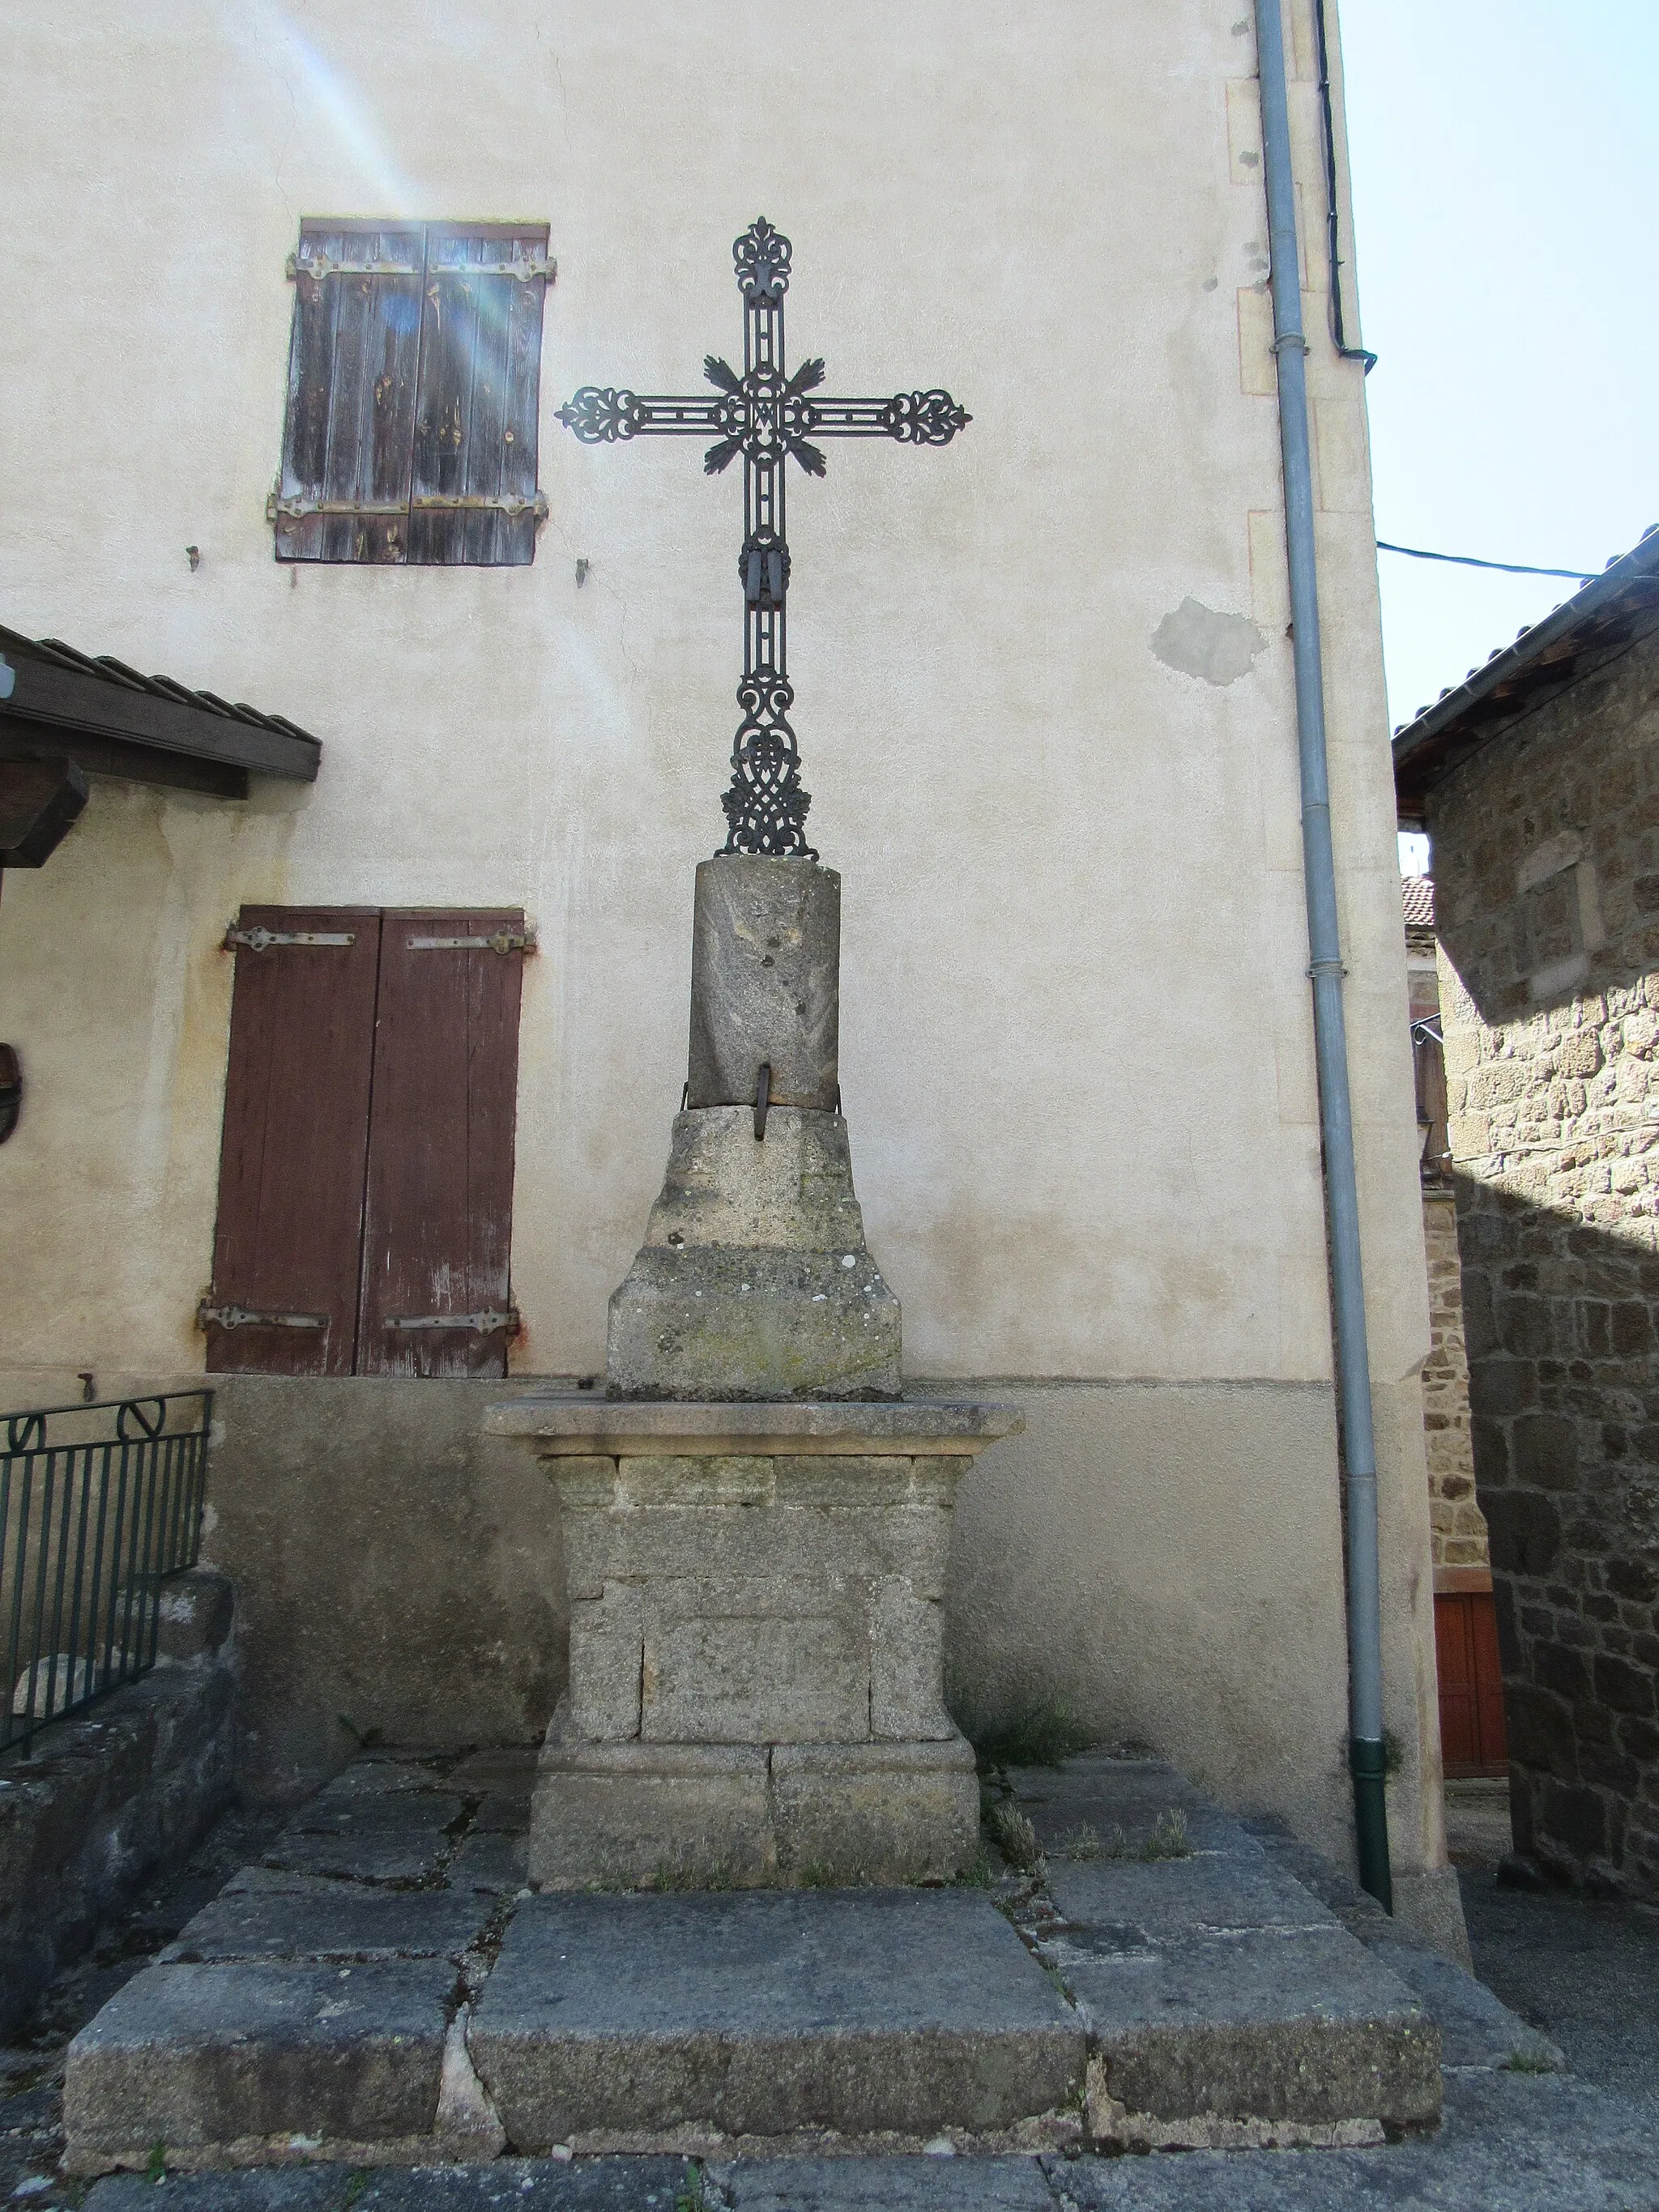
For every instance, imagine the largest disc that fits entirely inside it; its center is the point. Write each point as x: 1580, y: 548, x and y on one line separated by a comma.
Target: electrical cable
x: 1338, y: 336
x: 1468, y: 561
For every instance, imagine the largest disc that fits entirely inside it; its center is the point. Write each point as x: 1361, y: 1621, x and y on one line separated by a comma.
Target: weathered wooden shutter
x: 473, y: 494
x: 353, y: 374
x: 286, y: 1253
x: 438, y: 1220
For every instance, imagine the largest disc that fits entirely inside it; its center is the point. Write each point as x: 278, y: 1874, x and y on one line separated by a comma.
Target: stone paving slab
x: 503, y: 1812
x: 1100, y: 1794
x: 1476, y: 2028
x: 1511, y: 2143
x: 332, y: 1920
x: 400, y: 1836
x: 251, y: 2189
x: 877, y: 2185
x: 506, y: 1766
x: 498, y: 1864
x: 368, y: 1778
x: 769, y: 2012
x: 592, y: 2184
x: 589, y: 2184
x: 204, y: 2056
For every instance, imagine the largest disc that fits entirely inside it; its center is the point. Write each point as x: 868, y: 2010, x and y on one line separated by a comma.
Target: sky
x: 1506, y: 211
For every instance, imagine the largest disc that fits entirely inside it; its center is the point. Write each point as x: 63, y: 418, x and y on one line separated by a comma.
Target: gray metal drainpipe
x: 1365, y: 1741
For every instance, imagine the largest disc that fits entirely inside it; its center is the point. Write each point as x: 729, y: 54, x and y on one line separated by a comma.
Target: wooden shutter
x: 474, y: 482
x: 291, y: 1170
x: 353, y: 371
x: 439, y: 1214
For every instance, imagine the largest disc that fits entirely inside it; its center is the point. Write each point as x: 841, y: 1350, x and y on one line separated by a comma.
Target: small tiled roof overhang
x: 1416, y: 897
x: 1595, y: 626
x: 110, y: 720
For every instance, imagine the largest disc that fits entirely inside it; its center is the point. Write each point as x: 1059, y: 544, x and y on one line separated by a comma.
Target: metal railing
x: 99, y: 1504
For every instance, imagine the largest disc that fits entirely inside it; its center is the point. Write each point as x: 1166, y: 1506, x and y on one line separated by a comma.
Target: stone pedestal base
x: 736, y: 1815
x: 756, y: 1641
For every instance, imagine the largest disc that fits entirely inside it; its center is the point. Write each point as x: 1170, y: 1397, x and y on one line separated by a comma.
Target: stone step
x: 375, y: 1992
x: 770, y: 2013
x: 1222, y: 2001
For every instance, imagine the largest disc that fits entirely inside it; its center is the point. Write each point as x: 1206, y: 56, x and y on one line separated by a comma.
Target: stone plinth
x: 754, y: 1280
x: 756, y: 1642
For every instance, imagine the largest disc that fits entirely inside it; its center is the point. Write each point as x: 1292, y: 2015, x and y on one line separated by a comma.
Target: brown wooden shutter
x: 476, y: 424
x: 439, y: 1214
x: 291, y: 1170
x: 353, y: 372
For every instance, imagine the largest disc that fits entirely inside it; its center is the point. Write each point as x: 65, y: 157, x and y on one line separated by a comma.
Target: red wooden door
x: 1472, y: 1737
x: 286, y: 1251
x: 439, y: 1212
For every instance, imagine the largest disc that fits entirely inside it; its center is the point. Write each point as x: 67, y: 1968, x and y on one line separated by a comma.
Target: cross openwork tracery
x: 765, y: 415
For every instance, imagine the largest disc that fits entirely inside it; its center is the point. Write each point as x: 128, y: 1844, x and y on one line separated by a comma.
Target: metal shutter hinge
x: 311, y: 262
x: 260, y: 940
x: 481, y: 1324
x: 208, y: 1316
x: 510, y: 504
x: 504, y: 940
x: 314, y: 264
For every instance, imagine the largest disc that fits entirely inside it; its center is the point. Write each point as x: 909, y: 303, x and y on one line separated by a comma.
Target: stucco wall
x: 1045, y: 694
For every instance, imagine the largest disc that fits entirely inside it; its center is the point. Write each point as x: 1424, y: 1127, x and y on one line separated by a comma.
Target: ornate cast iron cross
x: 766, y: 415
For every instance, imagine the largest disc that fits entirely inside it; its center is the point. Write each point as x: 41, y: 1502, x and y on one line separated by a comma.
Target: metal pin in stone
x: 762, y: 1100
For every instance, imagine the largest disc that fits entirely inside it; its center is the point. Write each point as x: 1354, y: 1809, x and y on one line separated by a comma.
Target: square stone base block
x: 694, y: 1815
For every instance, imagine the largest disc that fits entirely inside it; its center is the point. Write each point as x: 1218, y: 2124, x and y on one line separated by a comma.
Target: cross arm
x: 914, y: 419
x: 601, y: 415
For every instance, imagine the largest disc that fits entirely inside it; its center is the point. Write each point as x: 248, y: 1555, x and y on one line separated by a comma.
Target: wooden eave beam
x: 22, y: 739
x: 108, y: 728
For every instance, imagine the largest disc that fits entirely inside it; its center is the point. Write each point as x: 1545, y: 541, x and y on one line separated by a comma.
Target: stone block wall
x: 116, y: 1795
x: 1457, y: 1525
x: 1546, y: 872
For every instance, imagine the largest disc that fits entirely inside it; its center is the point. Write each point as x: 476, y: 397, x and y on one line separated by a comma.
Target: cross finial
x: 762, y: 255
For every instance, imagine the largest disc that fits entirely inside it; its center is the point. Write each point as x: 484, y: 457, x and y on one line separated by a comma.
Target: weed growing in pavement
x: 1014, y: 1836
x: 1169, y: 1837
x: 691, y: 2196
x: 980, y: 1873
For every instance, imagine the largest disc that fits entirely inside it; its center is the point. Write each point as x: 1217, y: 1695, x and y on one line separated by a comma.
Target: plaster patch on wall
x: 1199, y: 641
